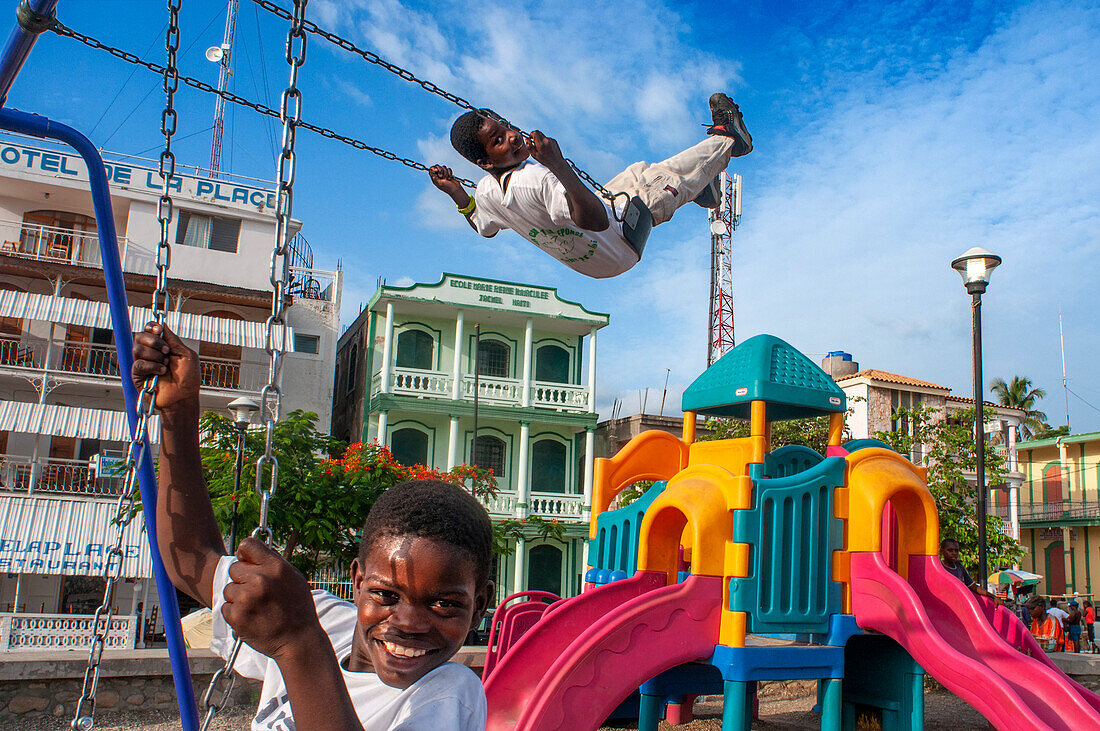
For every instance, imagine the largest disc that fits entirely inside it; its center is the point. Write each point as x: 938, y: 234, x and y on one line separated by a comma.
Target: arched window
x: 1052, y: 484
x: 489, y: 453
x: 544, y: 569
x: 409, y: 446
x: 492, y: 359
x: 220, y: 363
x: 353, y: 367
x: 414, y: 350
x: 552, y: 364
x: 548, y: 466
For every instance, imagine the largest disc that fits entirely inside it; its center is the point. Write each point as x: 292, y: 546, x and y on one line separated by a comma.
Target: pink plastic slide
x: 590, y: 652
x: 940, y: 623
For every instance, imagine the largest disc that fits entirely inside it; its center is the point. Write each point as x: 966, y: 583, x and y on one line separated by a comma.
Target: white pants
x: 665, y: 186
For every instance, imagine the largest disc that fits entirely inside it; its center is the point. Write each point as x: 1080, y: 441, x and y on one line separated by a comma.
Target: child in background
x: 544, y: 201
x: 1090, y: 620
x: 420, y: 584
x: 1046, y: 629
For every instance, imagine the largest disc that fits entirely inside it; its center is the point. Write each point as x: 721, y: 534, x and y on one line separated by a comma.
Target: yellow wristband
x: 468, y: 208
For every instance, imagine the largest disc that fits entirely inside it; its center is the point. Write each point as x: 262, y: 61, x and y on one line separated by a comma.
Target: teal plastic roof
x: 764, y: 368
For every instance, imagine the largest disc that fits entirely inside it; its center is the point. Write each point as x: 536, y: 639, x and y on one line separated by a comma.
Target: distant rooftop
x: 887, y: 377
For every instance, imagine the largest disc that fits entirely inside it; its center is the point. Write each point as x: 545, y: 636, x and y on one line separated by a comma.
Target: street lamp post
x: 242, y: 410
x: 975, y: 267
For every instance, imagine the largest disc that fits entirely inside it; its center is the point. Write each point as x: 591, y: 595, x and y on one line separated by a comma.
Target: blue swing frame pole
x: 37, y: 126
x: 22, y: 40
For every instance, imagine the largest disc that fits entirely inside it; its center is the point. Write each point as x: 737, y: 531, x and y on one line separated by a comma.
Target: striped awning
x: 69, y: 311
x: 69, y: 421
x: 47, y: 535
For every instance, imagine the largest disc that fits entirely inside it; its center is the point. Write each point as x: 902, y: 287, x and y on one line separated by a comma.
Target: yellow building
x: 1060, y: 511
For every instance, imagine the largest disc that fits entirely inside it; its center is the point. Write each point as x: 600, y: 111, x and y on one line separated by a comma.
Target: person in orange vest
x: 1046, y: 628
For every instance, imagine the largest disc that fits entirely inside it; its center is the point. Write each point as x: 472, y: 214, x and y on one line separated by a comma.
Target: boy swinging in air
x: 420, y: 583
x: 544, y: 201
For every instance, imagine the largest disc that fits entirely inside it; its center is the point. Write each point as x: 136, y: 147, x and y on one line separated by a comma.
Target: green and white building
x: 406, y: 376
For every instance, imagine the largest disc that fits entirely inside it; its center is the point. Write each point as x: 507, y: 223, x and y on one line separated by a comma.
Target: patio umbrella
x: 1016, y: 577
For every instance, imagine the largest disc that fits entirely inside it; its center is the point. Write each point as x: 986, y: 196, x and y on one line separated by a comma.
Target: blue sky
x: 889, y: 138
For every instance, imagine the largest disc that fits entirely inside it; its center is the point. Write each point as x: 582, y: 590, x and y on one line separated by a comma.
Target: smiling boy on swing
x: 420, y: 583
x: 545, y: 202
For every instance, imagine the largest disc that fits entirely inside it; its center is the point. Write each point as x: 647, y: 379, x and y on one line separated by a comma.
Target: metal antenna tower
x: 723, y: 222
x: 222, y: 55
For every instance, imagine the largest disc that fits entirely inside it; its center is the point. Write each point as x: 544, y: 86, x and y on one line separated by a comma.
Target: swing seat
x: 637, y: 223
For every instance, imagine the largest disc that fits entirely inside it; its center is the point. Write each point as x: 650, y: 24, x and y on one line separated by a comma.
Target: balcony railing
x: 80, y: 358
x: 63, y: 632
x: 49, y: 243
x: 312, y: 284
x: 559, y: 396
x: 494, y: 391
x: 1058, y: 512
x: 56, y: 476
x: 544, y: 505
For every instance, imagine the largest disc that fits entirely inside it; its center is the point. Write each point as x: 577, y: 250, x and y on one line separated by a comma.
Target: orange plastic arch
x: 697, y: 502
x: 878, y: 476
x: 652, y: 455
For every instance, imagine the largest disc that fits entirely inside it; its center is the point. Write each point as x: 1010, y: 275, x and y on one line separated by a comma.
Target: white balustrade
x: 502, y: 505
x: 413, y: 382
x: 50, y: 243
x: 29, y: 632
x: 561, y: 396
x: 546, y: 505
x: 503, y: 391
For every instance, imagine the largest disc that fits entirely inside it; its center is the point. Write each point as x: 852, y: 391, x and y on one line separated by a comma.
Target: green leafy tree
x: 949, y: 454
x: 1019, y: 393
x: 1046, y: 431
x: 317, y: 511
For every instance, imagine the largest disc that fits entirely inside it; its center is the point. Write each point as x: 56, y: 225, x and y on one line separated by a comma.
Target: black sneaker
x: 710, y: 196
x: 729, y: 123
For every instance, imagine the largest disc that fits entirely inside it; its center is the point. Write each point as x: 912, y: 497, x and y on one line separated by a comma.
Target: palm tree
x: 1019, y: 394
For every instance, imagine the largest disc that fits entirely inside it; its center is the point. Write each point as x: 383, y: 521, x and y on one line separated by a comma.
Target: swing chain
x: 126, y: 508
x: 428, y: 86
x: 275, y: 344
x: 62, y: 30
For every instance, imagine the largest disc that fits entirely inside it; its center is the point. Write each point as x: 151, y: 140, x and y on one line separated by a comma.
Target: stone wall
x: 48, y: 684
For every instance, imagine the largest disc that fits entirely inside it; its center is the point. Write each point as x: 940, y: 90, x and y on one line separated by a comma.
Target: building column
x: 589, y: 463
x: 381, y: 436
x: 592, y: 370
x: 456, y: 370
x: 1067, y: 556
x: 528, y: 345
x: 519, y: 575
x: 523, y: 489
x: 1014, y: 511
x: 1013, y: 462
x: 387, y: 351
x: 452, y: 444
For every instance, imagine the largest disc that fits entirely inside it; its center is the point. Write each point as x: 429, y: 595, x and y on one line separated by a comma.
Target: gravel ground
x: 942, y: 710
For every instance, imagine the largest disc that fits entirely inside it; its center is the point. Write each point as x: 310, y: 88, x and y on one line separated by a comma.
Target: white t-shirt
x: 449, y: 698
x: 535, y: 207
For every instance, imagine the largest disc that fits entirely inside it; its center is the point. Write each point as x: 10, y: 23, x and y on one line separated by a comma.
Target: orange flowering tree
x: 325, y: 489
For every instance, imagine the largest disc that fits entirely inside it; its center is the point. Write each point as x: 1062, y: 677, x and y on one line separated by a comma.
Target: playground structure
x: 743, y: 563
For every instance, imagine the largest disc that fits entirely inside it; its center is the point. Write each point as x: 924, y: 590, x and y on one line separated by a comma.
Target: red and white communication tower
x: 222, y: 55
x: 723, y: 222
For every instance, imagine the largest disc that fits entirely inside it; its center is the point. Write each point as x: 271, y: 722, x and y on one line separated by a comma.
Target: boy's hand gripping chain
x: 276, y: 339
x: 83, y: 719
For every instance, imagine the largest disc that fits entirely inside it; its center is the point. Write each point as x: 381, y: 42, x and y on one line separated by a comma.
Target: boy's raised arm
x: 190, y: 542
x: 585, y: 207
x: 443, y: 178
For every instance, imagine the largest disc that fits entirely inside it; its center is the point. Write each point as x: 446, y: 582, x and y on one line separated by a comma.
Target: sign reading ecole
x: 58, y: 165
